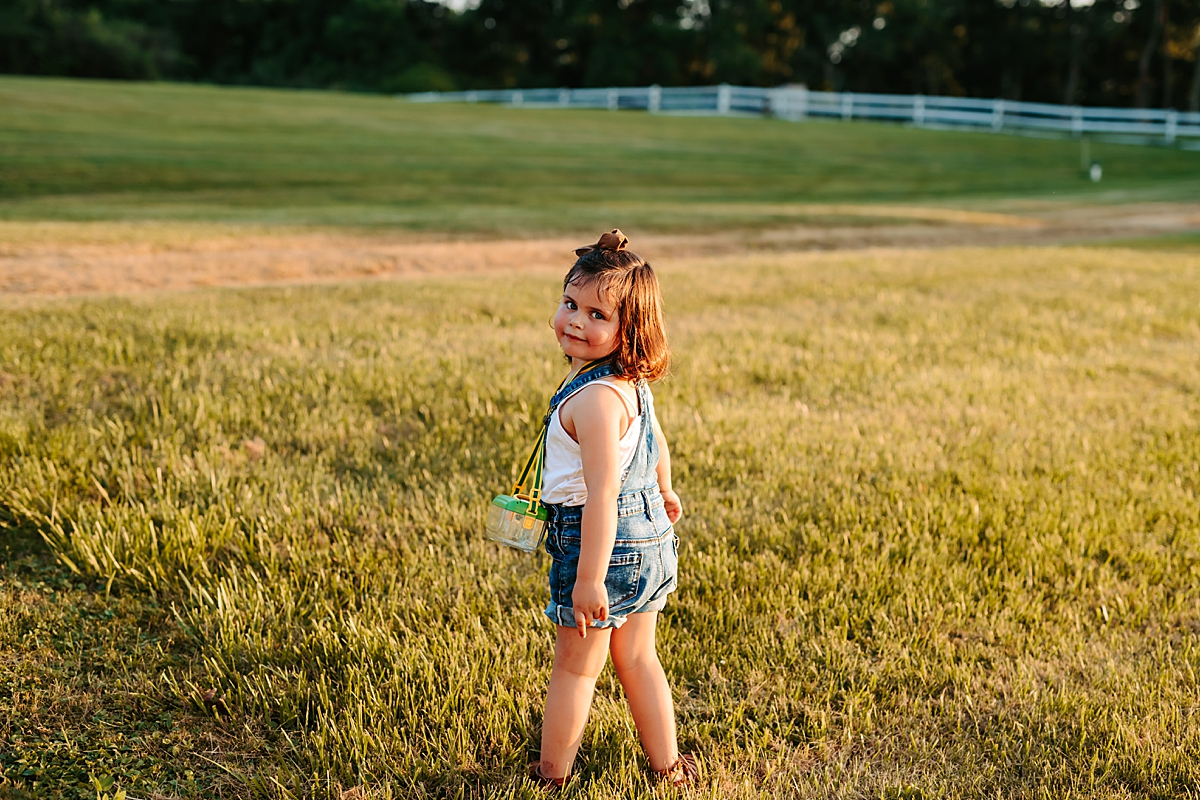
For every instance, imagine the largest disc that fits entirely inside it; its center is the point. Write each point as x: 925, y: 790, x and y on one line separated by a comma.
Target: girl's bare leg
x: 636, y: 662
x: 577, y: 665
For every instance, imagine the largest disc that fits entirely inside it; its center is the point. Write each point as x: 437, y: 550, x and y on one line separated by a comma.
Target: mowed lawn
x: 91, y: 150
x: 942, y: 533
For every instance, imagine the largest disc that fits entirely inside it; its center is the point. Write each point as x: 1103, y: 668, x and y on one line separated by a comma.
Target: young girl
x: 607, y: 489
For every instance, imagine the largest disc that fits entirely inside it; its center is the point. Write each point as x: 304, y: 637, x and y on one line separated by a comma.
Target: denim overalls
x: 643, y: 566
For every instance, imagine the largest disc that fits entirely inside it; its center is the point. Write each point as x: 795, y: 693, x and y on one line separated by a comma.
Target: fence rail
x: 796, y: 103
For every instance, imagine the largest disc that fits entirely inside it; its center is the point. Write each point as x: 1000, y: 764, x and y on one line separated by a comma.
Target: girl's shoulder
x: 604, y: 396
x: 605, y: 387
x: 624, y: 386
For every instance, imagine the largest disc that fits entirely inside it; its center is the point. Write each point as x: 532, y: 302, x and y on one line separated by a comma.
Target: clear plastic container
x: 510, y: 523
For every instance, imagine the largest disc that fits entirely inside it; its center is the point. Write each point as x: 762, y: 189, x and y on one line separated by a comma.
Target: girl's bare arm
x: 596, y: 418
x: 671, y: 502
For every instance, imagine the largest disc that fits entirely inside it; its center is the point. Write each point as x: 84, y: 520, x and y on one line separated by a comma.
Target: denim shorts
x: 641, y: 572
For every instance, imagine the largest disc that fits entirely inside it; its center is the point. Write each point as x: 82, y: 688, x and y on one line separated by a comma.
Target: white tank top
x: 562, y: 477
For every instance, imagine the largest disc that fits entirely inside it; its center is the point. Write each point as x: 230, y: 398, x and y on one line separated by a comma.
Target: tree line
x: 1140, y: 53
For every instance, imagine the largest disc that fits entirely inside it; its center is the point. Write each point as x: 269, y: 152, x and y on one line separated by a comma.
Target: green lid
x: 518, y: 506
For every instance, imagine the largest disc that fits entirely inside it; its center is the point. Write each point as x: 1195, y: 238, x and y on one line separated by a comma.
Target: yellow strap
x: 534, y: 454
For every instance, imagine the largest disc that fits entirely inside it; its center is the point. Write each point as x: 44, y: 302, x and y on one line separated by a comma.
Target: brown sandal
x: 544, y: 782
x: 684, y: 772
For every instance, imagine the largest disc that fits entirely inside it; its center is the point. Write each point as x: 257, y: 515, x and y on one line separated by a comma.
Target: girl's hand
x: 590, y: 601
x: 672, y: 506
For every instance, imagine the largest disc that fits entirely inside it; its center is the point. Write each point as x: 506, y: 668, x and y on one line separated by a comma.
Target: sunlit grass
x: 942, y: 533
x: 96, y: 150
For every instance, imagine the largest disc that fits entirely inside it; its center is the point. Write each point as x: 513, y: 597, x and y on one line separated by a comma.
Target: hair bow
x: 612, y: 240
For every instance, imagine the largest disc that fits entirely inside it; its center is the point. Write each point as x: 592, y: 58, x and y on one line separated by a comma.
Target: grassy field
x: 942, y: 534
x: 89, y: 150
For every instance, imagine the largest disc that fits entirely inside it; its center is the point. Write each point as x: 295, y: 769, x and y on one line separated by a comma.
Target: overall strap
x: 589, y: 372
x: 645, y: 458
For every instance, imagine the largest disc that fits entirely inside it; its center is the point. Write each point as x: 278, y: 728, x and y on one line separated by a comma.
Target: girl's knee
x: 633, y: 649
x: 578, y: 668
x: 627, y: 661
x: 581, y: 657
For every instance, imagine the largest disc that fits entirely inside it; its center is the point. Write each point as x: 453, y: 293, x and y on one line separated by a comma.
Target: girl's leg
x: 577, y: 665
x: 636, y: 662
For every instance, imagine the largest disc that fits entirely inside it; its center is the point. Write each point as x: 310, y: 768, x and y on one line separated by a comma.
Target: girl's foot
x: 684, y: 772
x: 544, y: 782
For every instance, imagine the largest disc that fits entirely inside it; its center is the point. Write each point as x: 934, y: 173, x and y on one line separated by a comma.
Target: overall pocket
x: 671, y: 560
x: 624, y: 576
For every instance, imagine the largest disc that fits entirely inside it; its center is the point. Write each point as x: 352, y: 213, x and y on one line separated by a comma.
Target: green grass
x: 1180, y: 242
x: 942, y: 536
x: 90, y: 150
x: 81, y: 682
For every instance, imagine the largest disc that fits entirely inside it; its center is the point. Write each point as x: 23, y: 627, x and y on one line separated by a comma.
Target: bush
x: 421, y: 78
x: 44, y: 38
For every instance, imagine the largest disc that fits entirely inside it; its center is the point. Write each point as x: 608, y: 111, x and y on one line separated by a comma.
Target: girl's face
x: 586, y: 324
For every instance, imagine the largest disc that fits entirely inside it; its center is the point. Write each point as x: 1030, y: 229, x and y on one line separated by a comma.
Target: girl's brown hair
x: 629, y: 281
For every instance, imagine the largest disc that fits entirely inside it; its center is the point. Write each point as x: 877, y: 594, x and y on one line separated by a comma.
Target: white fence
x: 795, y: 103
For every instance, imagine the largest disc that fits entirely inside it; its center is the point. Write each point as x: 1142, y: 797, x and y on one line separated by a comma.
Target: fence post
x: 517, y: 98
x: 614, y: 99
x: 654, y: 103
x: 802, y: 102
x: 724, y: 96
x: 564, y: 97
x: 847, y: 105
x: 918, y: 109
x: 1172, y: 122
x: 1077, y: 120
x: 472, y: 97
x: 997, y: 115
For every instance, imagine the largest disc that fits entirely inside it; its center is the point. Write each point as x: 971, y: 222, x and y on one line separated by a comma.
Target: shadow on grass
x: 83, y: 684
x: 20, y: 542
